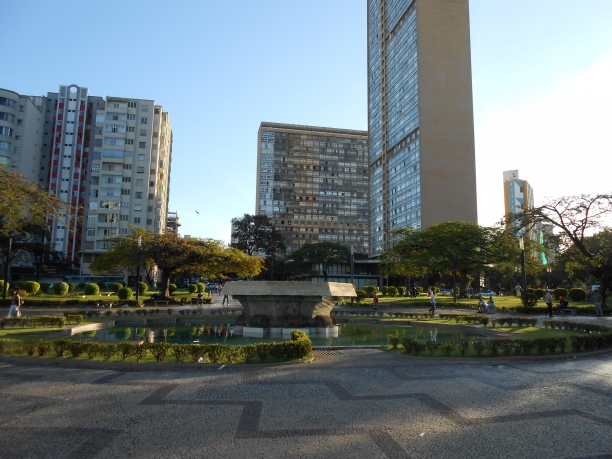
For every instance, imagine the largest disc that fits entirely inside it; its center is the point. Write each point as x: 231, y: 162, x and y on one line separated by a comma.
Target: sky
x: 541, y: 74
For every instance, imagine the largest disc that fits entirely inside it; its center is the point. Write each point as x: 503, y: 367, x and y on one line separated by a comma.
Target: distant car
x: 488, y: 293
x: 211, y: 286
x: 445, y: 291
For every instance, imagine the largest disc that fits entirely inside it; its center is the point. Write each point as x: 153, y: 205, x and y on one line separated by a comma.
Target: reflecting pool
x: 348, y: 335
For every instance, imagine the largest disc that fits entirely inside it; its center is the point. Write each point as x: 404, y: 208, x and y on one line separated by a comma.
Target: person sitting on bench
x: 481, y: 304
x: 490, y: 305
x: 562, y: 305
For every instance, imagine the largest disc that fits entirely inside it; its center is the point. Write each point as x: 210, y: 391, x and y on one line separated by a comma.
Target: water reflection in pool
x: 349, y: 334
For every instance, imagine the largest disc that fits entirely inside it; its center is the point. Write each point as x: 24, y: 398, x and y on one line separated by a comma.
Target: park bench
x: 197, y: 301
x: 158, y: 302
x: 568, y: 312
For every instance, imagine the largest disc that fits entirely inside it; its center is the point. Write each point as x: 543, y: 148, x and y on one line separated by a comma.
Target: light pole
x: 352, y: 268
x: 455, y: 277
x: 523, y: 276
x: 138, y: 271
x: 6, y: 264
x: 548, y: 271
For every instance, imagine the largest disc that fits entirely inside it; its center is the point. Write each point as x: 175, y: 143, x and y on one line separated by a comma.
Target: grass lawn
x: 103, y: 297
x: 25, y: 334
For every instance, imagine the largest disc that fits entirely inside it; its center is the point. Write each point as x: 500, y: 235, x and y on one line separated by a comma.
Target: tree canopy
x: 24, y: 208
x: 325, y: 254
x: 255, y: 233
x: 460, y: 246
x: 583, y: 238
x: 172, y: 254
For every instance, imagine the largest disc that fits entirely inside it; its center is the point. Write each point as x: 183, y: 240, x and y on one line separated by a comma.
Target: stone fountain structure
x: 274, y: 308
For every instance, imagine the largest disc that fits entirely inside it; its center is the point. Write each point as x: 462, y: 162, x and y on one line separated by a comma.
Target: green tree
x: 324, y: 254
x: 579, y: 221
x: 173, y: 255
x: 256, y: 233
x: 451, y: 246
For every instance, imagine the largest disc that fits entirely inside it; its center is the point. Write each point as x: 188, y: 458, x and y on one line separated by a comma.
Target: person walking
x: 432, y: 299
x: 598, y: 299
x: 225, y: 298
x: 548, y: 300
x: 375, y: 302
x: 16, y: 302
x: 518, y: 290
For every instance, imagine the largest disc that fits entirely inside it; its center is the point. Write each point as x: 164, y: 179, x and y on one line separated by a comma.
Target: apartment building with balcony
x: 129, y: 180
x: 22, y: 122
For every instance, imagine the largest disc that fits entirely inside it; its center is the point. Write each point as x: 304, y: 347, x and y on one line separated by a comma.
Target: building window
x: 7, y: 131
x: 125, y: 192
x: 144, y: 120
x: 8, y: 102
x: 131, y: 104
x: 142, y: 144
x: 125, y: 204
x: 129, y: 141
x: 137, y: 207
x: 16, y: 150
x: 149, y: 208
x: 127, y: 167
x: 115, y: 128
x: 124, y: 218
x: 7, y: 117
x: 131, y: 129
x: 110, y: 116
x: 91, y: 231
x: 131, y: 117
x: 6, y: 146
x: 143, y: 133
x: 141, y: 157
x: 140, y: 170
x: 137, y: 220
x: 139, y: 182
x: 144, y: 108
x: 149, y: 221
x: 114, y: 141
x: 139, y: 195
x: 95, y: 168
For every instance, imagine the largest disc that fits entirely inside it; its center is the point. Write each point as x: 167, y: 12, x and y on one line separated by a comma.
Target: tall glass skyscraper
x: 421, y: 155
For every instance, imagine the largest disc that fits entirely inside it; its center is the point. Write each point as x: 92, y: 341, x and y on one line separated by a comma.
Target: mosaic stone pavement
x: 349, y: 403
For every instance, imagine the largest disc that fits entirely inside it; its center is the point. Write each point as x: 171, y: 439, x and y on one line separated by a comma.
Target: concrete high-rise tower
x: 421, y: 128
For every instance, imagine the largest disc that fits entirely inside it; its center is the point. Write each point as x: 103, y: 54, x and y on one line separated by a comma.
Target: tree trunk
x: 164, y: 290
x: 324, y: 275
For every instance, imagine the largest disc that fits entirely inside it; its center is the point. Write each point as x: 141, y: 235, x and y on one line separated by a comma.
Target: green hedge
x: 299, y: 346
x: 34, y: 321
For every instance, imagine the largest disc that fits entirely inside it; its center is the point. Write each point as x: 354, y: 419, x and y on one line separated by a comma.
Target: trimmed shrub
x: 577, y: 294
x: 401, y: 291
x: 448, y: 348
x: 81, y: 285
x: 392, y: 291
x: 431, y: 347
x: 31, y: 287
x: 393, y: 340
x: 532, y: 299
x: 60, y: 288
x: 369, y: 289
x: 361, y: 294
x: 384, y: 291
x: 172, y: 288
x: 193, y: 288
x: 125, y: 293
x: 2, y: 286
x: 71, y: 286
x: 115, y: 287
x: 160, y: 351
x: 435, y: 289
x: 560, y: 292
x: 142, y: 287
x: 262, y: 351
x: 91, y: 289
x: 44, y: 287
x: 201, y: 287
x: 248, y: 352
x: 539, y: 292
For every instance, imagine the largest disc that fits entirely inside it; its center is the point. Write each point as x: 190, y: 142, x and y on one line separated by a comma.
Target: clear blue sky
x: 541, y: 77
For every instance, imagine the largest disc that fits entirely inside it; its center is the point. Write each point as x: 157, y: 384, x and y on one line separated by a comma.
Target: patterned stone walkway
x: 349, y: 403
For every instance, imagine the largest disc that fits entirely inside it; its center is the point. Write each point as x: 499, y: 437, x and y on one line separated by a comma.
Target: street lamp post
x: 6, y: 263
x: 548, y: 271
x: 523, y: 275
x: 352, y: 268
x: 455, y: 277
x: 138, y: 271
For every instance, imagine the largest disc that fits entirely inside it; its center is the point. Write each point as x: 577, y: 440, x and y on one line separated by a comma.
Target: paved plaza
x: 361, y: 403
